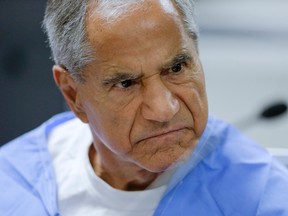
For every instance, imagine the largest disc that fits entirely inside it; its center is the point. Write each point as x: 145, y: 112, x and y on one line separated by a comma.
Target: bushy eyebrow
x: 181, y: 57
x: 121, y: 76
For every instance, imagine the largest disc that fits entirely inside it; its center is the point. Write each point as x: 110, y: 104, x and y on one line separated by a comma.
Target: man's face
x: 144, y: 95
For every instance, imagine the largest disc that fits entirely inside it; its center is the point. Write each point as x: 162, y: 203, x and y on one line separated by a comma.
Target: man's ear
x: 69, y: 89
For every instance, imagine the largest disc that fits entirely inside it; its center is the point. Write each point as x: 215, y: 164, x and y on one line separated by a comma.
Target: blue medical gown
x: 227, y: 174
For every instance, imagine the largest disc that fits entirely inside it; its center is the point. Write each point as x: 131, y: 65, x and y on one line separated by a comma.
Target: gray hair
x: 65, y: 25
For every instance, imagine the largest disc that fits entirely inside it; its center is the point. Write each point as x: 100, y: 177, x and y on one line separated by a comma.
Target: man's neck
x: 132, y: 178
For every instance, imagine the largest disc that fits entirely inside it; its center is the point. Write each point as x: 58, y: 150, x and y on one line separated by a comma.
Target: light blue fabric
x: 227, y: 174
x: 234, y: 177
x: 27, y: 181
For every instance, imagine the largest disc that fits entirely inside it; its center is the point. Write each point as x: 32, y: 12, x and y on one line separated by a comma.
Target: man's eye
x: 177, y: 68
x: 125, y: 84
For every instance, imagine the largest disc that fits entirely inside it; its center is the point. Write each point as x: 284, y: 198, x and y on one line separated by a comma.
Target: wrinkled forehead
x: 112, y: 10
x: 151, y: 30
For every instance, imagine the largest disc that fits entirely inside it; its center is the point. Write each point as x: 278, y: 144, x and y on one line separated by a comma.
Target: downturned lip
x: 163, y: 132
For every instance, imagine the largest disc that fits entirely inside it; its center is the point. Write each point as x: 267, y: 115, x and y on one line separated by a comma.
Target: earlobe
x: 69, y: 89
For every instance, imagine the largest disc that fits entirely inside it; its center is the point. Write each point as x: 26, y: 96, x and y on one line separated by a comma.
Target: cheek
x: 110, y: 123
x: 194, y: 97
x: 111, y: 129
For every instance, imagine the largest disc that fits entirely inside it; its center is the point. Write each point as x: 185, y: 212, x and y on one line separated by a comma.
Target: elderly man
x: 140, y: 140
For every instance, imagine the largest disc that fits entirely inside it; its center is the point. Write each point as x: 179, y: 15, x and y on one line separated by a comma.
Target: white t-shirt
x: 80, y: 191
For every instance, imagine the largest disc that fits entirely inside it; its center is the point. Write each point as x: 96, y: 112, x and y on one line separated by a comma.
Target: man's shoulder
x: 234, y: 178
x: 29, y: 150
x: 26, y: 170
x: 239, y: 156
x: 240, y: 172
x: 245, y: 173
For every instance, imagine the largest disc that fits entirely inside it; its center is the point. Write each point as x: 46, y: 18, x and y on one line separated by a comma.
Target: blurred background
x: 27, y: 91
x: 244, y: 50
x: 243, y: 47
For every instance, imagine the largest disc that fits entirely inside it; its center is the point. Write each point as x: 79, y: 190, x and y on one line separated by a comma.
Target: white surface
x: 281, y: 154
x: 244, y: 51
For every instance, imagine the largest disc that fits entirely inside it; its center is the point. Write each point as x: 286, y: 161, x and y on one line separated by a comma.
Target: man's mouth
x: 163, y: 133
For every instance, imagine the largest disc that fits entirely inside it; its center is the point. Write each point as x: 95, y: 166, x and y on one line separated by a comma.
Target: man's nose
x: 159, y: 103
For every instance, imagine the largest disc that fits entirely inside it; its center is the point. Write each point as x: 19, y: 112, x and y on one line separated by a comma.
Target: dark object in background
x: 27, y: 90
x: 274, y: 110
x: 271, y: 111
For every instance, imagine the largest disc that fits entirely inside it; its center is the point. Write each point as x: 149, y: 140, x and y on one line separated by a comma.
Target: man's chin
x: 169, y: 164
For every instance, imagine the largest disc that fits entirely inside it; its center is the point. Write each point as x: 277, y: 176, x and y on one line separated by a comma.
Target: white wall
x: 244, y: 51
